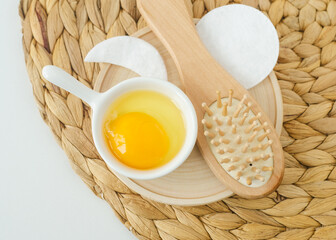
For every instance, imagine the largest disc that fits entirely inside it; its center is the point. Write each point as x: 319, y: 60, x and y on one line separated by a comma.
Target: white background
x: 40, y: 196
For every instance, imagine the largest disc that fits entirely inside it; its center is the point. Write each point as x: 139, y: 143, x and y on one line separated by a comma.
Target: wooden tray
x: 192, y: 183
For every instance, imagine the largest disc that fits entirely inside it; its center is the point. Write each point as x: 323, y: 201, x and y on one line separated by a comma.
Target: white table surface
x: 40, y: 195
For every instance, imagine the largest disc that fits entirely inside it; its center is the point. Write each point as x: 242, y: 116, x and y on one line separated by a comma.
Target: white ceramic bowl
x: 100, y: 102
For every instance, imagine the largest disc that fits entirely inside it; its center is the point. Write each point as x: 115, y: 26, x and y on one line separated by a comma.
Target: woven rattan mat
x: 62, y: 32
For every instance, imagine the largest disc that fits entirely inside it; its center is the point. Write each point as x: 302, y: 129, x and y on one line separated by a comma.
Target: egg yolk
x: 139, y: 136
x: 144, y: 129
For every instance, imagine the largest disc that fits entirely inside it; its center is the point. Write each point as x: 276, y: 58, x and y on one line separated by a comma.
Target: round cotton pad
x: 243, y: 40
x: 132, y: 53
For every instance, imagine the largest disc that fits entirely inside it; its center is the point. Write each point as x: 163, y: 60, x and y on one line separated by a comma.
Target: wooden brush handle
x: 170, y: 21
x: 202, y: 76
x: 172, y: 24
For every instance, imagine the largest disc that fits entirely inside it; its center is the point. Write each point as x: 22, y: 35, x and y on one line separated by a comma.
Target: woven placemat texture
x: 61, y: 32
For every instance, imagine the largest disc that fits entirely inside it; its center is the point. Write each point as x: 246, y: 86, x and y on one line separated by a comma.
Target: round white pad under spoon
x: 242, y: 40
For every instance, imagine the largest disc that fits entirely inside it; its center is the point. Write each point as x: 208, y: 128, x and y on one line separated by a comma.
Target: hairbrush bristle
x: 262, y: 137
x: 219, y: 122
x: 242, y: 120
x: 220, y: 132
x: 251, y: 138
x: 261, y: 178
x: 224, y: 111
x: 243, y: 166
x: 249, y: 128
x: 209, y: 134
x: 236, y: 113
x: 266, y: 145
x: 229, y: 121
x: 267, y: 156
x: 232, y: 167
x: 230, y: 97
x: 264, y: 125
x: 219, y: 99
x: 240, y: 106
x: 224, y: 140
x: 225, y: 160
x: 256, y: 148
x: 220, y: 151
x: 207, y: 123
x: 250, y: 160
x: 238, y: 175
x: 244, y: 149
x: 252, y: 119
x: 215, y: 143
x: 238, y: 139
x: 207, y: 109
x: 248, y: 180
x: 234, y: 129
x: 247, y: 109
x: 256, y: 170
x: 229, y: 150
x: 267, y: 168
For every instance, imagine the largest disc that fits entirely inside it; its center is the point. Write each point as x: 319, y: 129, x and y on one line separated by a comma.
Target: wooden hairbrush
x: 235, y: 136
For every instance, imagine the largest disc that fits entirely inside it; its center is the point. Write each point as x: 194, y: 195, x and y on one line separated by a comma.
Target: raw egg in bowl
x: 143, y: 128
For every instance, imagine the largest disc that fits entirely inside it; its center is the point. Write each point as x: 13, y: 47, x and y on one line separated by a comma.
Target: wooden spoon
x: 241, y: 153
